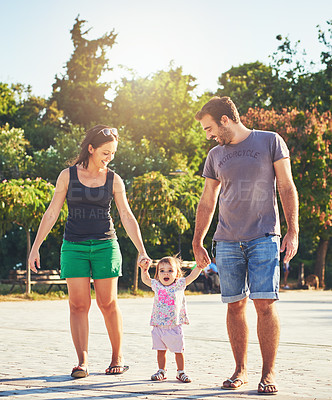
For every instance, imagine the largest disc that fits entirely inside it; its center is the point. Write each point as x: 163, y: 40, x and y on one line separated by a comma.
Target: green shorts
x: 99, y: 259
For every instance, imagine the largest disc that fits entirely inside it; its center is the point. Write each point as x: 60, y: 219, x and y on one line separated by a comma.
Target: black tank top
x: 89, y: 209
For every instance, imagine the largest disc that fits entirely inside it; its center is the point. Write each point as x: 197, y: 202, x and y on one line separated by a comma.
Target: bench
x: 49, y: 277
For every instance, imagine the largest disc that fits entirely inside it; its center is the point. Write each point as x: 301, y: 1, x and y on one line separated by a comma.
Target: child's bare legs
x: 179, y: 358
x: 161, y: 358
x: 181, y: 376
x: 160, y: 375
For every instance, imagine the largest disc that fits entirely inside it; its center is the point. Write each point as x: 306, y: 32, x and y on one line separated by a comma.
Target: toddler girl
x: 169, y: 313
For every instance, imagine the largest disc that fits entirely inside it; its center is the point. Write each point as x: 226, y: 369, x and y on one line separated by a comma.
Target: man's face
x: 220, y: 133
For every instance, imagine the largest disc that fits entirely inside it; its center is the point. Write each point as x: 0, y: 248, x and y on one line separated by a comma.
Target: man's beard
x: 225, y: 136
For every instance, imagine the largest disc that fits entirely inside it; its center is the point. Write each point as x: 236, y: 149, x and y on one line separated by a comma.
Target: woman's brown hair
x: 96, y: 138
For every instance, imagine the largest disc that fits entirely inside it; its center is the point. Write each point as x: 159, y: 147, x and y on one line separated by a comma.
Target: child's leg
x: 161, y: 358
x: 181, y: 375
x: 179, y: 358
x: 160, y: 375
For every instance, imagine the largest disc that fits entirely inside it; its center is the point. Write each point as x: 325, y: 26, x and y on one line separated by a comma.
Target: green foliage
x: 160, y: 109
x: 50, y: 162
x: 41, y: 121
x: 14, y: 160
x: 304, y: 88
x: 135, y: 159
x: 10, y: 97
x: 79, y: 93
x: 309, y: 138
x: 288, y: 82
x: 23, y: 202
x: 153, y: 199
x: 251, y: 85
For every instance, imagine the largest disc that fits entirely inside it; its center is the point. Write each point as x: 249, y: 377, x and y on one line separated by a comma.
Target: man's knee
x: 264, y: 306
x: 238, y: 306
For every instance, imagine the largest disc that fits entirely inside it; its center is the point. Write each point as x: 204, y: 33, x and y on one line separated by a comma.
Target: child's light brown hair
x: 175, y: 262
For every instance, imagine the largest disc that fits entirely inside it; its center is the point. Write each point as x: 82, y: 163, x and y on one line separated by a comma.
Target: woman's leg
x: 79, y: 304
x: 106, y: 296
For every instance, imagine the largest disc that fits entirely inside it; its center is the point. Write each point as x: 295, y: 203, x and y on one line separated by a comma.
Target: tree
x: 14, y: 160
x: 9, y: 102
x: 78, y: 92
x: 309, y: 138
x: 253, y: 85
x: 160, y: 109
x: 40, y: 119
x: 289, y: 81
x: 309, y: 84
x: 164, y: 208
x: 23, y: 202
x: 49, y: 162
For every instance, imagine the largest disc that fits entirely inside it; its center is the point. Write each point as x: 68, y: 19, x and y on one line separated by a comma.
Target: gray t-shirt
x: 248, y: 206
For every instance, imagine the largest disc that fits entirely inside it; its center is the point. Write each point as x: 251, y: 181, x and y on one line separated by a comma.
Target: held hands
x: 34, y: 260
x: 144, y: 262
x: 201, y: 256
x: 290, y: 243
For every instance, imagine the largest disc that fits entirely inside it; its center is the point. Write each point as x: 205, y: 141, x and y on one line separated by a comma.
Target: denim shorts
x: 99, y: 259
x: 249, y: 268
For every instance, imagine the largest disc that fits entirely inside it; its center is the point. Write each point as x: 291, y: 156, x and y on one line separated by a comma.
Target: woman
x: 90, y: 247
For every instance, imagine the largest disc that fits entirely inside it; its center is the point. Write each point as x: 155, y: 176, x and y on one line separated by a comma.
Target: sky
x: 205, y: 38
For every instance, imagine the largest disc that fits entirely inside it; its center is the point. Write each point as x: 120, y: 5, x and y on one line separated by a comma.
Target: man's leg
x: 238, y: 333
x: 268, y: 331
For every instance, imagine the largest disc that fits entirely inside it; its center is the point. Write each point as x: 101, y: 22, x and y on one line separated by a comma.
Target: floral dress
x: 169, y: 307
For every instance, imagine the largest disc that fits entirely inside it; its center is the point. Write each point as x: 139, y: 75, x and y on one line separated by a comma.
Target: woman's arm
x: 193, y: 275
x: 145, y: 276
x: 127, y: 218
x: 49, y: 218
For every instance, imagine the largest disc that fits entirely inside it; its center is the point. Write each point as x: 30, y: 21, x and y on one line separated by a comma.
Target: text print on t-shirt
x: 239, y: 153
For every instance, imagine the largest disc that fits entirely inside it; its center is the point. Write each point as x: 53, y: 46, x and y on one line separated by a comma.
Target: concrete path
x: 37, y: 355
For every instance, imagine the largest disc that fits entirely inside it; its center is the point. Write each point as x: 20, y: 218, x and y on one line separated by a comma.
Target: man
x: 243, y: 171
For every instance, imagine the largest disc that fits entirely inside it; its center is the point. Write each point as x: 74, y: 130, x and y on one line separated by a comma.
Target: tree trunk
x: 28, y: 272
x: 301, y: 281
x: 135, y: 288
x: 320, y: 261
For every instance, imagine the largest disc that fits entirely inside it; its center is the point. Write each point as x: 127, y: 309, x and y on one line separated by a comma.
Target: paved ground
x: 36, y: 353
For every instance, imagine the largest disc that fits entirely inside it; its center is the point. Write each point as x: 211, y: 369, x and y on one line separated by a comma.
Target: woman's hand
x: 34, y: 260
x: 144, y: 261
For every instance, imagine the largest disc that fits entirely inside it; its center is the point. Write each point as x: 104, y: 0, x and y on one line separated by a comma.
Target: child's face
x: 167, y: 274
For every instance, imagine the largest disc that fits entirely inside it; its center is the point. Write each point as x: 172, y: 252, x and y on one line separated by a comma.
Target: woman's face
x: 103, y: 155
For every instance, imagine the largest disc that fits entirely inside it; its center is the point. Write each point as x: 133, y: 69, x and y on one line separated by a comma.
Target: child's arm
x: 145, y: 276
x: 193, y: 275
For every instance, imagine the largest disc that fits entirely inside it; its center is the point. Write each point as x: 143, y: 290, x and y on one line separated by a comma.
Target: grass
x: 39, y: 293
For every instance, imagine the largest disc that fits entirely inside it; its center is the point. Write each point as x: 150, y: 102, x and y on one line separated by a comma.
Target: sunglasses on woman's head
x: 109, y: 131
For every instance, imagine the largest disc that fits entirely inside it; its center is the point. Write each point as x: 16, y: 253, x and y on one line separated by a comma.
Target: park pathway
x: 37, y: 355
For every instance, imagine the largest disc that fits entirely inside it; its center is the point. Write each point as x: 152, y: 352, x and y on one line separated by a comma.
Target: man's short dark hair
x: 217, y: 107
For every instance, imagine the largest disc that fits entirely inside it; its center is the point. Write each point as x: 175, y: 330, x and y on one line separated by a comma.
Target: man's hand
x: 290, y: 243
x: 201, y: 256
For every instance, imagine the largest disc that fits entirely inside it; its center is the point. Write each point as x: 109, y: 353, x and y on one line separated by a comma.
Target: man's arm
x: 290, y: 205
x: 204, y: 215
